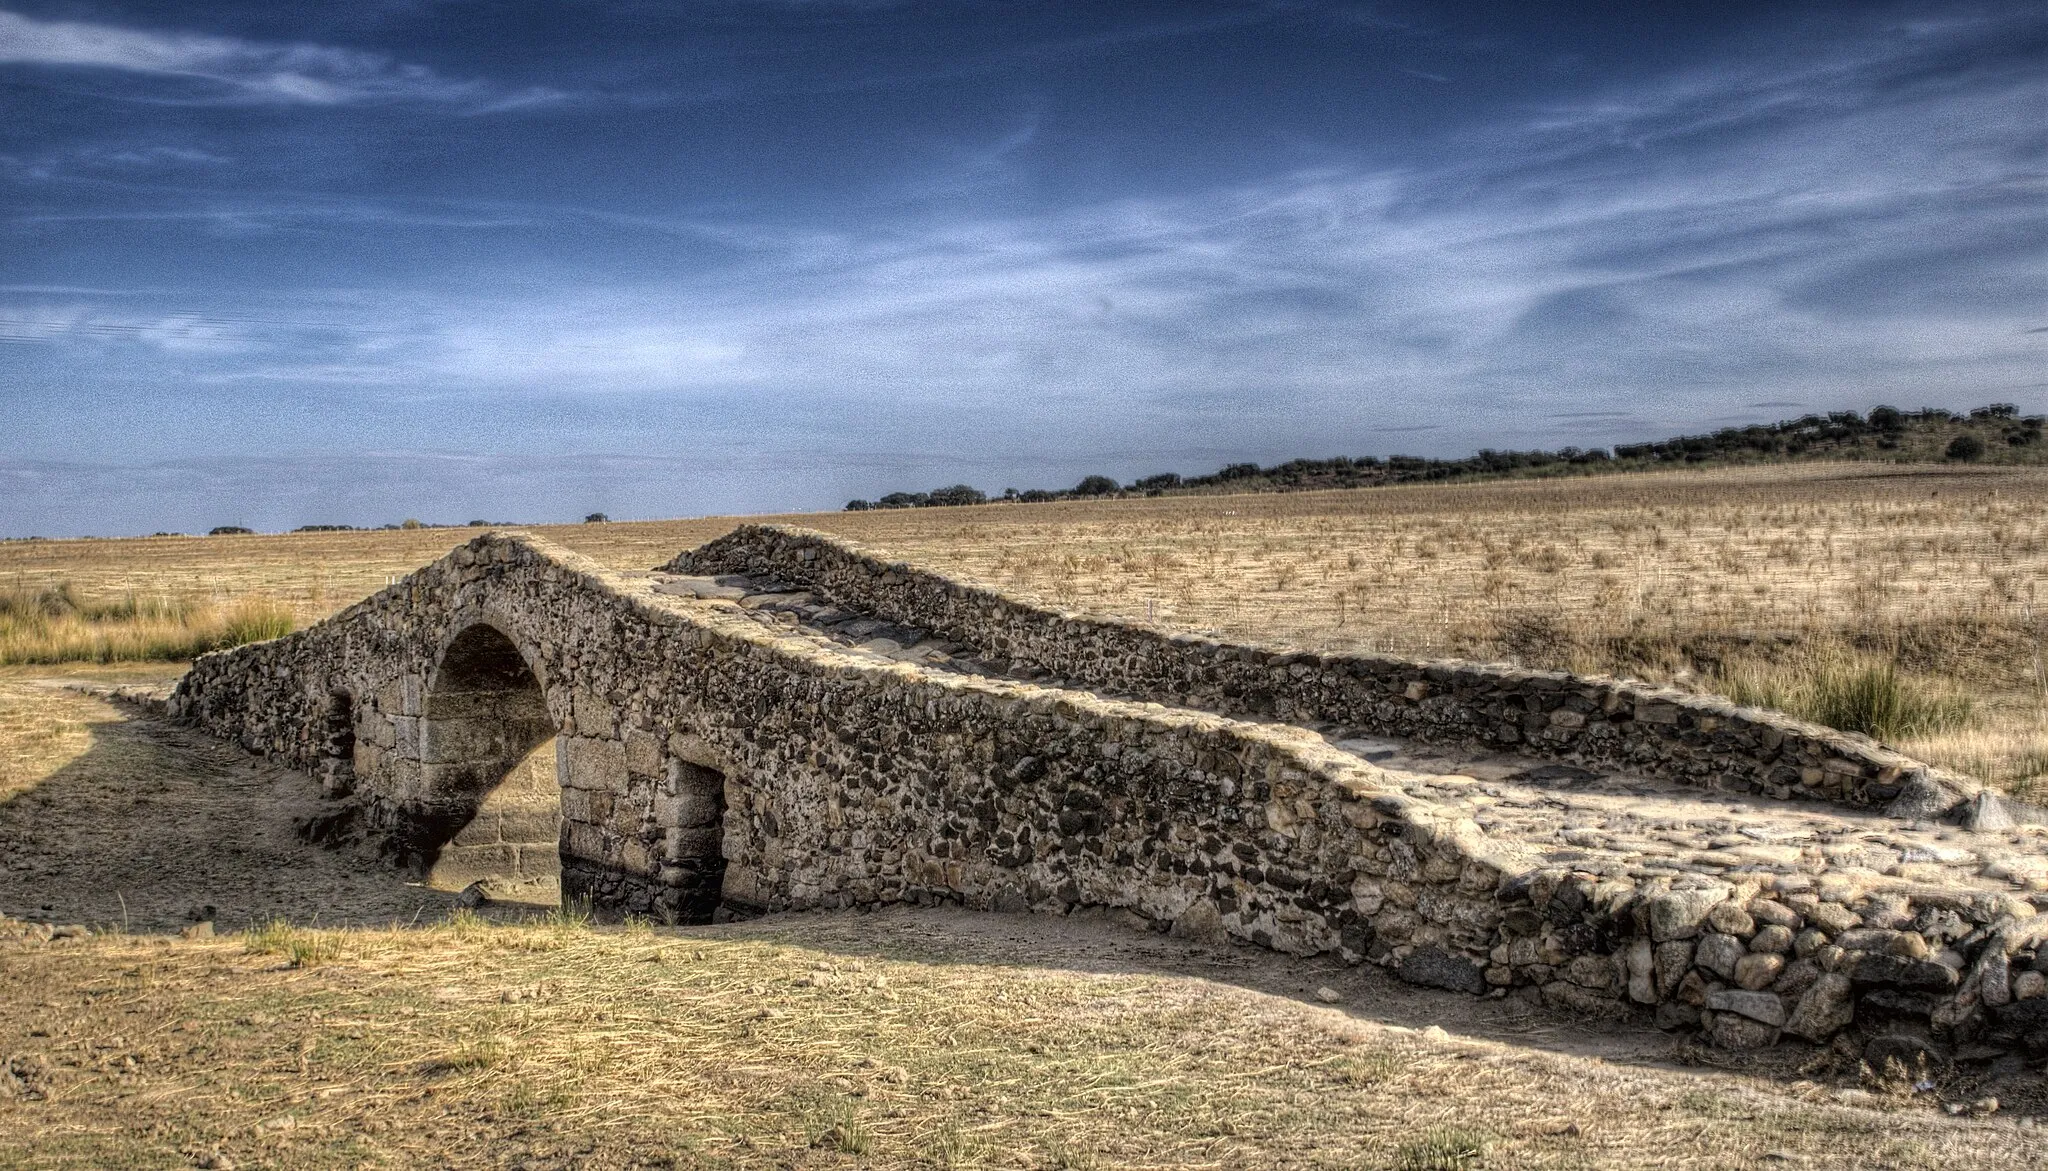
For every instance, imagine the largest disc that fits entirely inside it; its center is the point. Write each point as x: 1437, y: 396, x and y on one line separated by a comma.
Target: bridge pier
x: 642, y: 826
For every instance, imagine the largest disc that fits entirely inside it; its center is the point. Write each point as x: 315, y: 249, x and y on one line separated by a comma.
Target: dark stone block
x: 1579, y: 938
x: 1433, y: 967
x: 1673, y: 1015
x: 1567, y: 904
x: 2022, y: 1016
x: 1356, y: 939
x: 1902, y: 972
x: 1893, y: 1004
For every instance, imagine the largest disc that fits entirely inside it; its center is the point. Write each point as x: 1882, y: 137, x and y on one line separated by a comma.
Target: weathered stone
x: 1903, y: 972
x: 1758, y: 969
x: 1986, y: 813
x: 1200, y: 923
x: 1834, y: 918
x: 2022, y: 1016
x: 1433, y: 967
x: 1678, y: 915
x: 1910, y: 944
x: 1718, y: 954
x: 1738, y: 1032
x: 1595, y: 972
x: 1872, y: 939
x: 1757, y: 1006
x: 1895, y: 1004
x: 1729, y: 918
x: 1994, y: 977
x: 1826, y: 1009
x: 1776, y: 914
x: 1692, y: 990
x: 1798, y: 976
x: 1923, y: 798
x: 1673, y: 960
x: 1774, y: 939
x: 1642, y: 972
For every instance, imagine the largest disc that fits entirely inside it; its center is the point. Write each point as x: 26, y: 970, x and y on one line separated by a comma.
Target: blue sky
x: 275, y: 264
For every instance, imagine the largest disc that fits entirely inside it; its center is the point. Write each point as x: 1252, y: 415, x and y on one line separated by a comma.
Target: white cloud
x: 574, y: 346
x: 232, y: 70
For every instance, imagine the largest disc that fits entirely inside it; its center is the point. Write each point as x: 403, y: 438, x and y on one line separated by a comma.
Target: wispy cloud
x: 176, y: 333
x: 204, y: 69
x: 1826, y: 232
x: 1857, y: 249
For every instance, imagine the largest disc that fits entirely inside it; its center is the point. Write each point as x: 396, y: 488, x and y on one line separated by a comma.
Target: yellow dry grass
x: 828, y: 1041
x: 1675, y: 576
x: 54, y: 625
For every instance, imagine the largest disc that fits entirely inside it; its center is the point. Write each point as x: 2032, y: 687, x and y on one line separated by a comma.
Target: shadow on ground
x: 152, y: 826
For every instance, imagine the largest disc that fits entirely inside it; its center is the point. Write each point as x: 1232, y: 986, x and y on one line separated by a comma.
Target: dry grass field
x: 901, y: 1039
x: 349, y: 1018
x: 1791, y: 586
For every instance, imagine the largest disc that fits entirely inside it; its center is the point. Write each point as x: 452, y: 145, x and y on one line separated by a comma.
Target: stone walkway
x: 1605, y: 823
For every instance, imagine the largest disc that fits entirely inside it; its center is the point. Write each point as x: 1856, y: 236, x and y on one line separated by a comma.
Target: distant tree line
x: 1810, y: 436
x: 407, y: 523
x: 1796, y: 437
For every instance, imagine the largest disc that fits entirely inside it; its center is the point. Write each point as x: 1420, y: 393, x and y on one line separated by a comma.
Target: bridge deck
x: 1599, y: 821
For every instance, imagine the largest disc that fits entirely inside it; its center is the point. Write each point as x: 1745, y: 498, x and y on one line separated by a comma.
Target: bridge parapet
x: 1583, y: 719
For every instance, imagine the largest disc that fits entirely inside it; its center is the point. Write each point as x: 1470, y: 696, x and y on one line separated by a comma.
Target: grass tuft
x: 1444, y: 1148
x: 53, y: 624
x: 301, y: 947
x: 1853, y: 692
x: 844, y: 1133
x: 573, y: 914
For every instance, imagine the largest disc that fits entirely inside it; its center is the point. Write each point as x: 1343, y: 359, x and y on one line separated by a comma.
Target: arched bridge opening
x: 490, y: 806
x: 621, y: 819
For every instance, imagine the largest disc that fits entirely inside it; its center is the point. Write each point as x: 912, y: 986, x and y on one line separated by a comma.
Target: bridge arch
x: 488, y: 803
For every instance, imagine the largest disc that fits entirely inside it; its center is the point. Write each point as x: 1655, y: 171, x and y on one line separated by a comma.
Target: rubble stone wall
x: 1600, y: 721
x: 705, y: 760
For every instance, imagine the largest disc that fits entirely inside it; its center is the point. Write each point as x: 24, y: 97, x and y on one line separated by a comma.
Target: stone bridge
x: 782, y: 720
